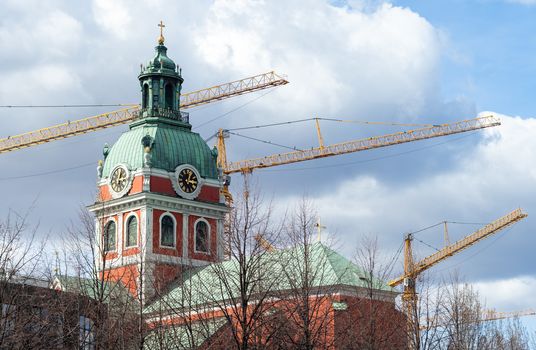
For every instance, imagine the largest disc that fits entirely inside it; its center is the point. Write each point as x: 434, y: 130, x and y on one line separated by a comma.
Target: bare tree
x: 85, y: 270
x: 24, y: 321
x: 466, y: 328
x: 378, y: 324
x: 179, y: 318
x: 241, y: 288
x: 430, y: 308
x: 310, y: 286
x: 452, y: 316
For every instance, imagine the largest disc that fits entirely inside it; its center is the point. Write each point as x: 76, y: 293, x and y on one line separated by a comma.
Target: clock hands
x: 188, y: 180
x: 119, y: 180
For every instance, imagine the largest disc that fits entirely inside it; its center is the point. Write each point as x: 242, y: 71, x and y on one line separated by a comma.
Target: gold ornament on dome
x: 161, y: 37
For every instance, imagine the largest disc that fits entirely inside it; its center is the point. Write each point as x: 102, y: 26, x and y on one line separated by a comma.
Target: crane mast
x: 413, y: 269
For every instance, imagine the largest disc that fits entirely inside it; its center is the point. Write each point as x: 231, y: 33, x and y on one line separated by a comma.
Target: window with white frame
x: 132, y: 232
x: 87, y: 333
x: 109, y: 236
x: 167, y: 231
x: 201, y: 237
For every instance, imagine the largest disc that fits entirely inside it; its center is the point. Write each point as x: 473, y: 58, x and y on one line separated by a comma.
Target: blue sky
x: 491, y: 54
x: 401, y: 61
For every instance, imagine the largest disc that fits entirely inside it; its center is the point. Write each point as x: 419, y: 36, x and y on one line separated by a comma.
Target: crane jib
x: 363, y: 144
x: 126, y: 115
x: 462, y: 244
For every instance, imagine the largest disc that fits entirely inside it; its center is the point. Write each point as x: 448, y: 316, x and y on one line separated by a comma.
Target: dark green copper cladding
x: 173, y: 142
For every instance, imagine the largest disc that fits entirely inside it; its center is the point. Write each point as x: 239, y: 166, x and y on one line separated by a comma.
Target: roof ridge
x: 331, y: 255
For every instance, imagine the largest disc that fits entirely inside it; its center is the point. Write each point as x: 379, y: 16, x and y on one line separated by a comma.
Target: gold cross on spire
x: 161, y: 38
x: 320, y: 228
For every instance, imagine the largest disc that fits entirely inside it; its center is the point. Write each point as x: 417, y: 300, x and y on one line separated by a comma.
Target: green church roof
x: 179, y: 337
x: 330, y: 269
x: 105, y: 291
x: 173, y: 145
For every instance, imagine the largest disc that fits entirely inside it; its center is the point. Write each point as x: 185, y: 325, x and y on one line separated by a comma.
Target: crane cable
x: 293, y: 122
x: 70, y: 106
x: 233, y: 110
x: 441, y: 223
x: 264, y: 141
x: 331, y: 120
x: 47, y: 172
x: 499, y: 236
x: 370, y: 159
x: 268, y: 170
x: 299, y: 169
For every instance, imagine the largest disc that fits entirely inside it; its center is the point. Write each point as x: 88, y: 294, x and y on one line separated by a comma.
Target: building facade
x: 159, y: 206
x: 35, y: 316
x: 159, y: 223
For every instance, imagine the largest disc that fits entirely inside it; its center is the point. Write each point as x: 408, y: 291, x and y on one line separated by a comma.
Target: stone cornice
x: 157, y: 200
x: 159, y: 173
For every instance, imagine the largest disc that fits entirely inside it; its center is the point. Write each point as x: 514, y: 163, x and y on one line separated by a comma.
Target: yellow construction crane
x: 412, y: 269
x: 248, y: 165
x: 492, y: 315
x: 129, y: 114
x: 263, y: 243
x: 487, y: 315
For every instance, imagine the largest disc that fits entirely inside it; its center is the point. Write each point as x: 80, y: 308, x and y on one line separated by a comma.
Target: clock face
x: 187, y: 180
x: 119, y: 179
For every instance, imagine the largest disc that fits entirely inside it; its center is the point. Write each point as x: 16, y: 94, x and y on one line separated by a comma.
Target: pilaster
x: 185, y: 220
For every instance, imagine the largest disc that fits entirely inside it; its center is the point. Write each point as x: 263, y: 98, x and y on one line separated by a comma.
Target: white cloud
x: 46, y: 80
x: 113, y: 16
x: 337, y: 59
x: 483, y: 183
x: 52, y: 35
x: 510, y: 294
x: 39, y: 85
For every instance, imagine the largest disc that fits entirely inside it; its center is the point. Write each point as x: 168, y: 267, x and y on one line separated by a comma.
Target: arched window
x: 132, y: 232
x: 169, y: 95
x: 109, y: 236
x: 167, y: 231
x: 145, y: 96
x: 201, y: 237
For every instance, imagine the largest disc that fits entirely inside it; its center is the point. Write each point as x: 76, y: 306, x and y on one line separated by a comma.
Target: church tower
x: 159, y: 208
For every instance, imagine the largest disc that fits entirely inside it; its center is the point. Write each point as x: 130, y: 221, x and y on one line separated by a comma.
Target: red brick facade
x: 361, y: 324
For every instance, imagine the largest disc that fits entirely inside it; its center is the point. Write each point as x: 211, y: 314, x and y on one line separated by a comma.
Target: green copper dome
x: 172, y: 146
x: 161, y: 137
x: 160, y: 62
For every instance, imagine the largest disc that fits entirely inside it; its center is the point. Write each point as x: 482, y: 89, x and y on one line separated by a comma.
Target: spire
x: 161, y: 84
x: 161, y: 37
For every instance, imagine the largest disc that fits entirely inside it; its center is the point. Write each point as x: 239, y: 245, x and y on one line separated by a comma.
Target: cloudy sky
x: 399, y: 61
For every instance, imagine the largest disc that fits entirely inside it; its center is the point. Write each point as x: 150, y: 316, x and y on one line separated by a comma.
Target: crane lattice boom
x: 460, y: 245
x: 68, y: 129
x: 487, y: 315
x: 362, y: 144
x: 234, y: 88
x: 492, y: 315
x: 126, y: 115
